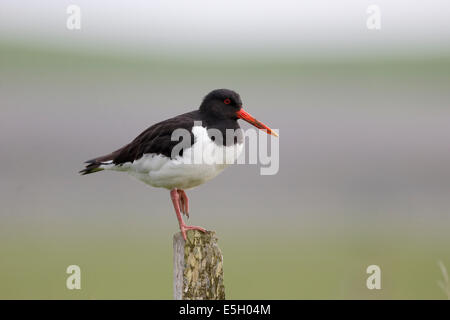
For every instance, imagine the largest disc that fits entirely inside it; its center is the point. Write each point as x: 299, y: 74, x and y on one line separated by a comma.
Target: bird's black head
x: 224, y: 104
x: 221, y: 104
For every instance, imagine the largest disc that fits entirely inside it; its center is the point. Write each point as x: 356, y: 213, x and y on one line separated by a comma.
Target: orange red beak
x: 242, y: 114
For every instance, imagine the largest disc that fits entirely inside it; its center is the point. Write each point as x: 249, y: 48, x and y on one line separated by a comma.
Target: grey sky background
x: 357, y: 134
x: 352, y: 134
x: 233, y: 27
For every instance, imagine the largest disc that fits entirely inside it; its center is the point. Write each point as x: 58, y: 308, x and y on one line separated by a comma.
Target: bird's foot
x: 184, y: 228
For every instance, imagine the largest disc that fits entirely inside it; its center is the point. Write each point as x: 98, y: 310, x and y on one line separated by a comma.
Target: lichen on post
x: 197, y: 267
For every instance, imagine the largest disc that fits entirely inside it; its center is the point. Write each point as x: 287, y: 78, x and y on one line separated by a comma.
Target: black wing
x: 157, y: 139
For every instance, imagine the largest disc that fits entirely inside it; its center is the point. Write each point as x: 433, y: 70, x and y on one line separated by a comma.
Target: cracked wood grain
x: 197, y: 267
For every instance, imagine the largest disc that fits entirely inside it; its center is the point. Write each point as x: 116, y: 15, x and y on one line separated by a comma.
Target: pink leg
x: 184, y: 202
x: 176, y: 204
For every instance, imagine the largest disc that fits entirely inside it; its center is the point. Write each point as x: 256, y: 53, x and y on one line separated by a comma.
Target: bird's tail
x: 97, y: 164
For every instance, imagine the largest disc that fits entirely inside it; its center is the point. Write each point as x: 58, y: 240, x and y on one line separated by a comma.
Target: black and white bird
x: 159, y: 158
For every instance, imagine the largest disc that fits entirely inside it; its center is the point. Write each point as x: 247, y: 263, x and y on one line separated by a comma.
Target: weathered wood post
x: 197, y: 267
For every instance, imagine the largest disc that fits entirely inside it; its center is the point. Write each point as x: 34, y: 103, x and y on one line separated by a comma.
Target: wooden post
x: 197, y: 267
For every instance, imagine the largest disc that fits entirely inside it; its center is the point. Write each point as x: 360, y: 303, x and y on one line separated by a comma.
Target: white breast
x: 200, y: 163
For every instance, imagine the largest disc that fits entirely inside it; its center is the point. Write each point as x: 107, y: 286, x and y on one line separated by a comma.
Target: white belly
x: 200, y: 163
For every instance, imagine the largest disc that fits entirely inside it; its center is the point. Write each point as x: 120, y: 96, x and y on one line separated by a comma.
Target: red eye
x: 227, y: 101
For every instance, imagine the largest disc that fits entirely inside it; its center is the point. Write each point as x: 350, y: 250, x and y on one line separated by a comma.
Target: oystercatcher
x: 152, y: 156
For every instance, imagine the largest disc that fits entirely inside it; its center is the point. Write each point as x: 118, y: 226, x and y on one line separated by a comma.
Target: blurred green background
x: 364, y: 155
